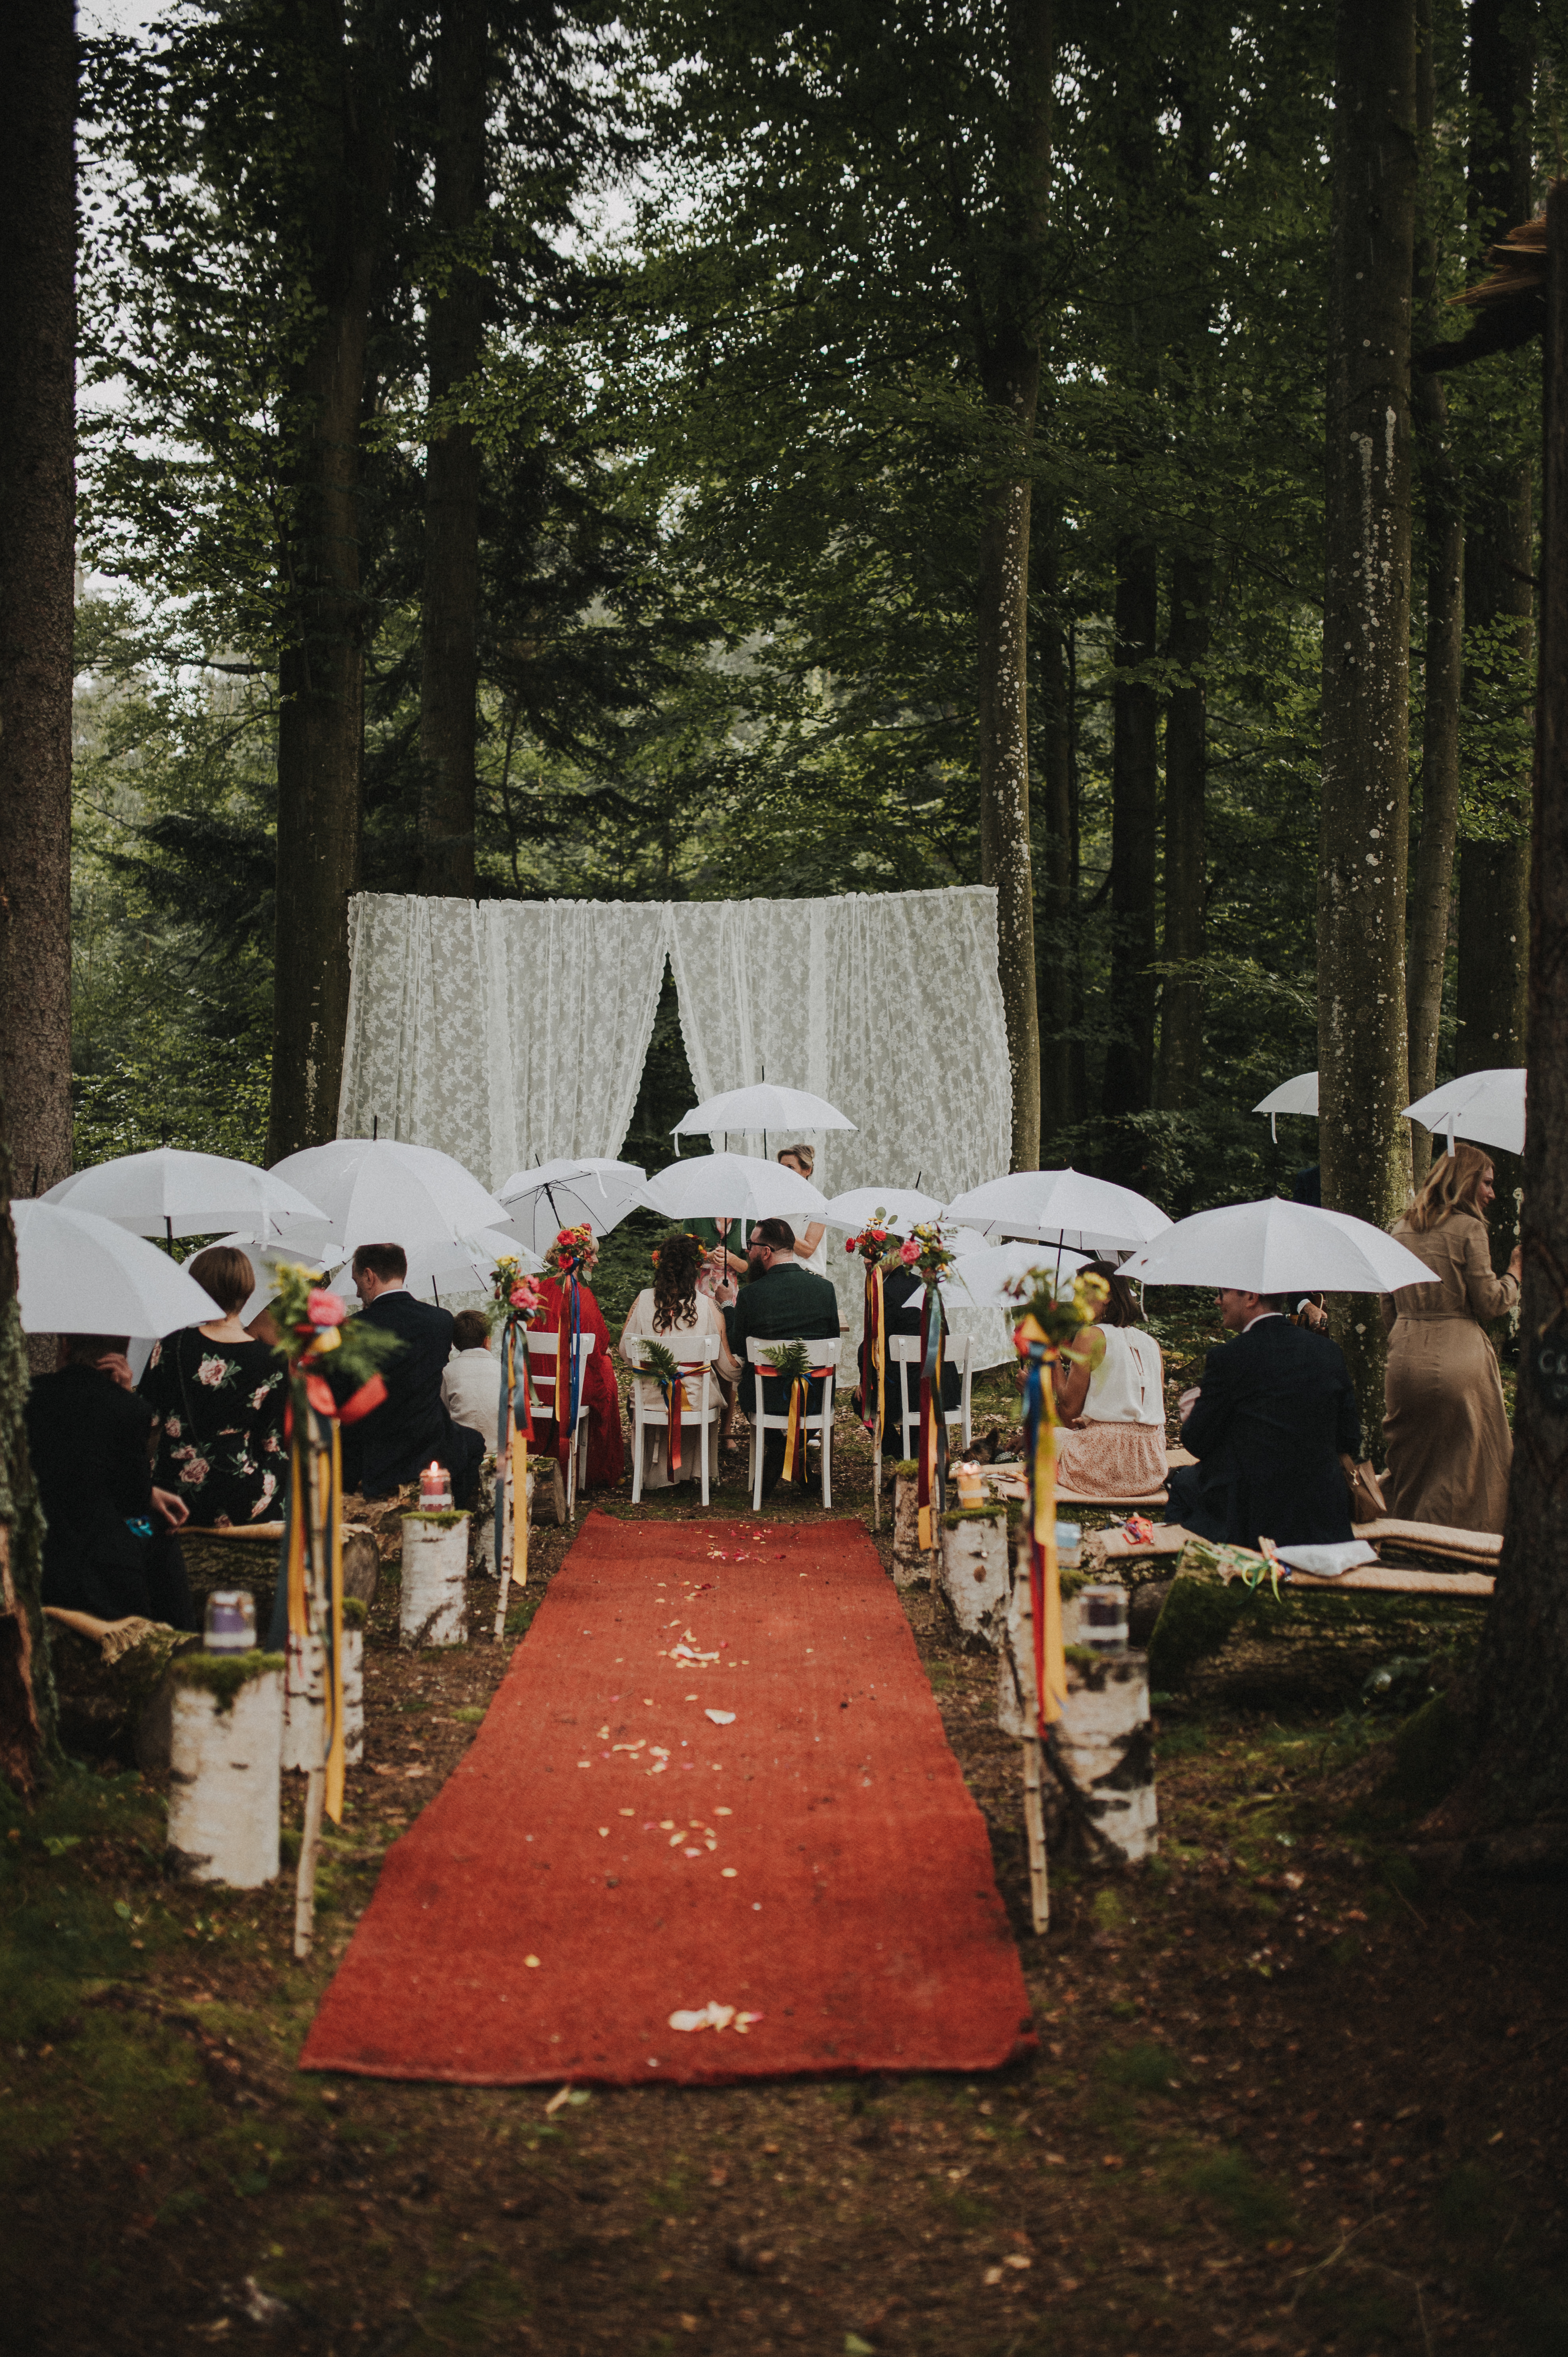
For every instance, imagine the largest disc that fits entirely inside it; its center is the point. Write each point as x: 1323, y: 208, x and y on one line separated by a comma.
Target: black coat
x: 1276, y: 1411
x: 89, y: 1440
x: 412, y: 1429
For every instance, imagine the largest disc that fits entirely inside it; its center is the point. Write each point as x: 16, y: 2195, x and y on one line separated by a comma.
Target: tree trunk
x: 450, y: 675
x: 37, y: 576
x: 1058, y: 1106
x: 29, y: 1749
x: 1523, y: 1670
x: 1362, y: 1061
x: 1494, y: 876
x: 1129, y: 1085
x: 1431, y: 886
x: 322, y: 674
x: 1010, y: 377
x: 1187, y: 786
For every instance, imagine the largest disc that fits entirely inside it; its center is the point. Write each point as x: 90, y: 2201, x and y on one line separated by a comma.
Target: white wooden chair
x: 541, y: 1364
x: 823, y: 1357
x: 904, y: 1352
x: 649, y: 1413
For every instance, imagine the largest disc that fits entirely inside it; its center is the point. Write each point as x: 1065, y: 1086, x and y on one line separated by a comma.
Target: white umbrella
x: 761, y: 1107
x: 734, y: 1186
x: 1487, y: 1107
x: 383, y: 1192
x: 172, y: 1192
x: 568, y: 1192
x: 1064, y: 1207
x: 981, y: 1277
x: 1279, y: 1248
x: 463, y: 1266
x: 1297, y: 1096
x: 902, y: 1206
x: 78, y: 1272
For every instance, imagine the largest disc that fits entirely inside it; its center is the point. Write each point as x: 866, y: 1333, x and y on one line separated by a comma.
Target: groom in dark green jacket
x: 779, y: 1302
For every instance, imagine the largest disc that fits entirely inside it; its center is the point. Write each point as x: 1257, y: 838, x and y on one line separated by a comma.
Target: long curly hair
x: 675, y: 1282
x: 1453, y: 1184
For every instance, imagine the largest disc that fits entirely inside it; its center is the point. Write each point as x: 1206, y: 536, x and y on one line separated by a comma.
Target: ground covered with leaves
x: 1287, y: 2096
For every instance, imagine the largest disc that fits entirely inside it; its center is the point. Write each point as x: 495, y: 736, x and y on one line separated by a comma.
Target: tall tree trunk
x: 1010, y: 377
x: 1431, y: 886
x: 1129, y: 1085
x: 1058, y: 1108
x: 29, y: 1748
x: 1523, y: 1681
x: 322, y: 674
x: 1186, y: 787
x: 450, y: 675
x: 1363, y: 1060
x: 38, y: 561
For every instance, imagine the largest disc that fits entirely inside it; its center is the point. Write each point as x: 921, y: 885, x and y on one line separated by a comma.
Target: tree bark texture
x: 1523, y: 1681
x: 1494, y: 876
x: 1363, y: 1060
x: 38, y: 582
x: 322, y: 672
x: 1129, y: 1085
x: 1431, y: 885
x: 1057, y: 943
x: 29, y: 1749
x: 1010, y: 378
x: 1186, y: 788
x: 450, y: 672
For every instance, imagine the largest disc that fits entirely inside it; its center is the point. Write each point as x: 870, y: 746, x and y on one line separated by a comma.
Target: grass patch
x: 1143, y: 2069
x: 1249, y: 2205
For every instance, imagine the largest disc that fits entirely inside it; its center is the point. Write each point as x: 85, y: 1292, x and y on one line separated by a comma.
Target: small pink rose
x: 524, y: 1297
x: 909, y: 1252
x: 326, y: 1309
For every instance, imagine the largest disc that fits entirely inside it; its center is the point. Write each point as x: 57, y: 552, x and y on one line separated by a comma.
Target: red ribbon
x: 358, y: 1404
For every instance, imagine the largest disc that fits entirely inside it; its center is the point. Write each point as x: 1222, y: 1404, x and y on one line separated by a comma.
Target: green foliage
x: 793, y: 1360
x: 225, y: 1676
x: 1250, y: 2205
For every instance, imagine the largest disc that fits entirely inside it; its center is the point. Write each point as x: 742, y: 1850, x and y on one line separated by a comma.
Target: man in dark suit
x: 779, y: 1302
x: 109, y: 1548
x: 412, y: 1429
x: 1274, y: 1413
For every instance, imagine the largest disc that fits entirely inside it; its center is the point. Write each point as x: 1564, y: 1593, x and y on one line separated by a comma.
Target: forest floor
x: 1286, y: 2097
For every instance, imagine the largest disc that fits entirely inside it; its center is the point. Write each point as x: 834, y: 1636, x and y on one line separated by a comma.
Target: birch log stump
x: 434, y: 1567
x: 225, y: 1783
x: 909, y: 1556
x: 975, y: 1575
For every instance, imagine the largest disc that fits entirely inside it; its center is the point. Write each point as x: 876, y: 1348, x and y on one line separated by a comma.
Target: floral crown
x: 572, y: 1250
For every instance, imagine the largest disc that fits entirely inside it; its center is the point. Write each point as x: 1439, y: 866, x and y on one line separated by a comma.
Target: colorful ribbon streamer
x: 872, y: 1413
x: 1045, y: 1577
x: 313, y: 1516
x: 931, y: 1489
x: 514, y: 1430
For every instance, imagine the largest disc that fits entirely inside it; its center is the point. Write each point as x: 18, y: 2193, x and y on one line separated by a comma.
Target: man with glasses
x: 780, y: 1302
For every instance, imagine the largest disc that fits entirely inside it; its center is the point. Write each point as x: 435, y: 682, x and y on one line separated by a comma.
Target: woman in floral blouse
x: 219, y: 1397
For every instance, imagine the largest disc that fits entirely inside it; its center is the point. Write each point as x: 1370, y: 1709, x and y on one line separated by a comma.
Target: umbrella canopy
x: 1487, y: 1107
x: 1278, y: 1247
x: 734, y: 1186
x: 78, y: 1273
x: 762, y: 1107
x: 902, y: 1206
x: 981, y: 1278
x: 381, y: 1191
x: 566, y: 1193
x: 1063, y: 1207
x: 171, y: 1192
x: 438, y: 1270
x: 1297, y: 1096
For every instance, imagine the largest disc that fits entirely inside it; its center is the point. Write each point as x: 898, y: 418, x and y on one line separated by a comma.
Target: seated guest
x: 671, y: 1310
x: 607, y: 1445
x: 902, y: 1291
x: 219, y: 1397
x: 108, y: 1543
x: 1273, y: 1417
x: 471, y: 1385
x: 1110, y: 1399
x: 779, y: 1302
x: 412, y: 1429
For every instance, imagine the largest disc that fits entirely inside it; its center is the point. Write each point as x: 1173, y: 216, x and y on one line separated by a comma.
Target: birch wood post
x: 304, y: 1702
x: 435, y: 1562
x: 314, y: 1503
x: 976, y: 1579
x: 353, y: 1691
x: 226, y: 1745
x: 876, y: 1478
x: 1017, y: 1714
x: 508, y: 1526
x: 1035, y: 1835
x: 907, y: 1553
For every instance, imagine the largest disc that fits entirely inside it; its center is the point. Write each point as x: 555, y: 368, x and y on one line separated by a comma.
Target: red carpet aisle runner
x: 607, y: 1855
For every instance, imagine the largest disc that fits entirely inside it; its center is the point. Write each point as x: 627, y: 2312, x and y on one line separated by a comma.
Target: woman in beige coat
x: 1449, y: 1446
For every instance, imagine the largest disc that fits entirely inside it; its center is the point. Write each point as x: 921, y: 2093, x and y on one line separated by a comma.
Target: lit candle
x: 436, y: 1486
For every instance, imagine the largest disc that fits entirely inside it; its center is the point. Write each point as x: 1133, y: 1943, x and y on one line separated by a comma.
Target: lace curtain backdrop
x: 506, y: 1032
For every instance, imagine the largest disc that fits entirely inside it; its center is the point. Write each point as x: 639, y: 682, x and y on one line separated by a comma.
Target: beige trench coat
x: 1445, y: 1428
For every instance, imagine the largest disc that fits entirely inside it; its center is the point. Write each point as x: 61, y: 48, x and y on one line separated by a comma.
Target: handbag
x: 1368, y: 1503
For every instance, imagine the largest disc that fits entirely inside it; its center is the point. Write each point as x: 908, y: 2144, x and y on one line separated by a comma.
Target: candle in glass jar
x: 436, y: 1488
x: 971, y: 1490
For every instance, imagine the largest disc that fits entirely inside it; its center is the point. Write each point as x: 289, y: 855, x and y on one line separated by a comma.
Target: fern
x: 791, y: 1359
x: 660, y: 1361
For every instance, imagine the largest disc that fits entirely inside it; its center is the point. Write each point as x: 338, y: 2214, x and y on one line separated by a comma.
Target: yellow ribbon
x: 520, y: 1517
x: 1050, y: 1657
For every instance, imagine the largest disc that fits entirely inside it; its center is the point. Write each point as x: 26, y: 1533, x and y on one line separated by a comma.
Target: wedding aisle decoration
x: 516, y: 1297
x: 568, y: 1256
x: 873, y: 1244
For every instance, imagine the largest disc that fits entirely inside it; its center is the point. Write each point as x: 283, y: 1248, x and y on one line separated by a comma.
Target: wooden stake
x: 1035, y: 1828
x: 316, y: 1789
x: 503, y: 1475
x: 877, y: 1479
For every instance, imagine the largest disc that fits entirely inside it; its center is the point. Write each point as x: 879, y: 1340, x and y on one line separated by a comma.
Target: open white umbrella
x: 979, y: 1279
x: 171, y: 1192
x: 1060, y: 1207
x: 439, y: 1270
x: 78, y: 1272
x: 1297, y: 1096
x: 1278, y: 1247
x: 383, y: 1192
x: 734, y: 1186
x: 902, y: 1207
x: 762, y: 1106
x: 568, y: 1192
x: 1487, y: 1107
